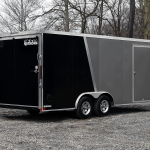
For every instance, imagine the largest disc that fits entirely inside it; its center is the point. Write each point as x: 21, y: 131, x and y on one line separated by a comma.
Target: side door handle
x: 134, y: 73
x: 36, y: 70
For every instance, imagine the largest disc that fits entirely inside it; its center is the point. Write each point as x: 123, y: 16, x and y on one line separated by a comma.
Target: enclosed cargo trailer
x: 47, y: 71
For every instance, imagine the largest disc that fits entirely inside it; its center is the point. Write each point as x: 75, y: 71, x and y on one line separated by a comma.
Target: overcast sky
x: 1, y: 5
x: 1, y: 2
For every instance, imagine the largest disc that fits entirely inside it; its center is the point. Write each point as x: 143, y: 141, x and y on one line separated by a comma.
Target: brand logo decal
x: 47, y: 106
x: 30, y: 42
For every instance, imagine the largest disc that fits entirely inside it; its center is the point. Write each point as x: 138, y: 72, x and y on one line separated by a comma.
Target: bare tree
x: 94, y: 24
x: 16, y: 15
x: 67, y: 15
x: 55, y: 17
x: 118, y: 21
x: 85, y: 10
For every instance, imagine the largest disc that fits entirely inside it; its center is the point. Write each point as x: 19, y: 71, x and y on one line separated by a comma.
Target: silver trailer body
x: 119, y: 68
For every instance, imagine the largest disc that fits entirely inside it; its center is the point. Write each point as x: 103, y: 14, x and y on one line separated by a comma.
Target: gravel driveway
x: 126, y: 127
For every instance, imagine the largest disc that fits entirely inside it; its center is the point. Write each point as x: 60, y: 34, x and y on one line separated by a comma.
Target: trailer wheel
x: 33, y: 112
x: 84, y: 108
x: 102, y: 105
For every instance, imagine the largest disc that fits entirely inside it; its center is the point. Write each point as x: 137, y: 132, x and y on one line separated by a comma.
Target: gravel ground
x: 125, y: 128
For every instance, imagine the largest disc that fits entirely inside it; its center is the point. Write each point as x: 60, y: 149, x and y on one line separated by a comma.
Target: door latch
x: 40, y: 85
x: 39, y: 56
x: 36, y: 71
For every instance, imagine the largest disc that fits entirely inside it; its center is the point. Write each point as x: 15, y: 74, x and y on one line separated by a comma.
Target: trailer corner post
x: 40, y: 62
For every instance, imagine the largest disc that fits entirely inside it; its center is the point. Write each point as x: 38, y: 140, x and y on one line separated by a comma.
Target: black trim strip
x: 18, y: 107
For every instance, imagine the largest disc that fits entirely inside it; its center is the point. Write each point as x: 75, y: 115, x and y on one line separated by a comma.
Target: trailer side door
x: 26, y: 71
x: 141, y: 73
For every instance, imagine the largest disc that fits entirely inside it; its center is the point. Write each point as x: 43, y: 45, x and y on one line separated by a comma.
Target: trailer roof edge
x: 96, y: 36
x: 20, y: 33
x: 71, y: 34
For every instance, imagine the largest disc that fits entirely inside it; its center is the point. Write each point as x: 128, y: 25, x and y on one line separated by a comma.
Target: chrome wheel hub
x: 104, y: 106
x: 86, y: 108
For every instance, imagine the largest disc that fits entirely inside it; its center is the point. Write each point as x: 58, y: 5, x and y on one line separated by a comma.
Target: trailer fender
x: 95, y: 95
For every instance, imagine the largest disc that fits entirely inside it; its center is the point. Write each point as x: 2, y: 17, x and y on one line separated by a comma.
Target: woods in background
x: 123, y: 18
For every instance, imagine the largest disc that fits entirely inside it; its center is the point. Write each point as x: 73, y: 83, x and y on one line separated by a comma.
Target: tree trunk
x: 83, y: 25
x: 146, y: 10
x: 21, y: 17
x: 100, y: 18
x: 131, y: 18
x: 119, y: 18
x: 66, y: 16
x: 141, y: 4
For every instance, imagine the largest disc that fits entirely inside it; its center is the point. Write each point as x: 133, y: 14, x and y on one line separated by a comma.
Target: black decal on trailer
x: 66, y: 72
x: 82, y: 79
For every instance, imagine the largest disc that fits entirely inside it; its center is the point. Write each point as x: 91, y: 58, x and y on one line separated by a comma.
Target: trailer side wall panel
x: 110, y: 62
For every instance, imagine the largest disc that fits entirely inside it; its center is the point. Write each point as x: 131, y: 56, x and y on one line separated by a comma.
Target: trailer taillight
x: 40, y: 72
x: 42, y: 109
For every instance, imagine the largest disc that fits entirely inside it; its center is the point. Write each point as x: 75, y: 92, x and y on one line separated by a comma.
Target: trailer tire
x: 102, y: 105
x: 84, y: 108
x: 33, y: 112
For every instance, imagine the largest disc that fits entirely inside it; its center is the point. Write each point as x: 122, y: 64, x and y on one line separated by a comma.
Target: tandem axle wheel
x: 85, y: 107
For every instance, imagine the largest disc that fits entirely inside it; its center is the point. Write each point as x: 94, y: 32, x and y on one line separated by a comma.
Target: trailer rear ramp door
x: 141, y: 73
x: 19, y: 72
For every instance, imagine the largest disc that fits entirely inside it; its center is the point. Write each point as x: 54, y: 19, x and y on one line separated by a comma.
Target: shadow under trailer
x: 49, y: 71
